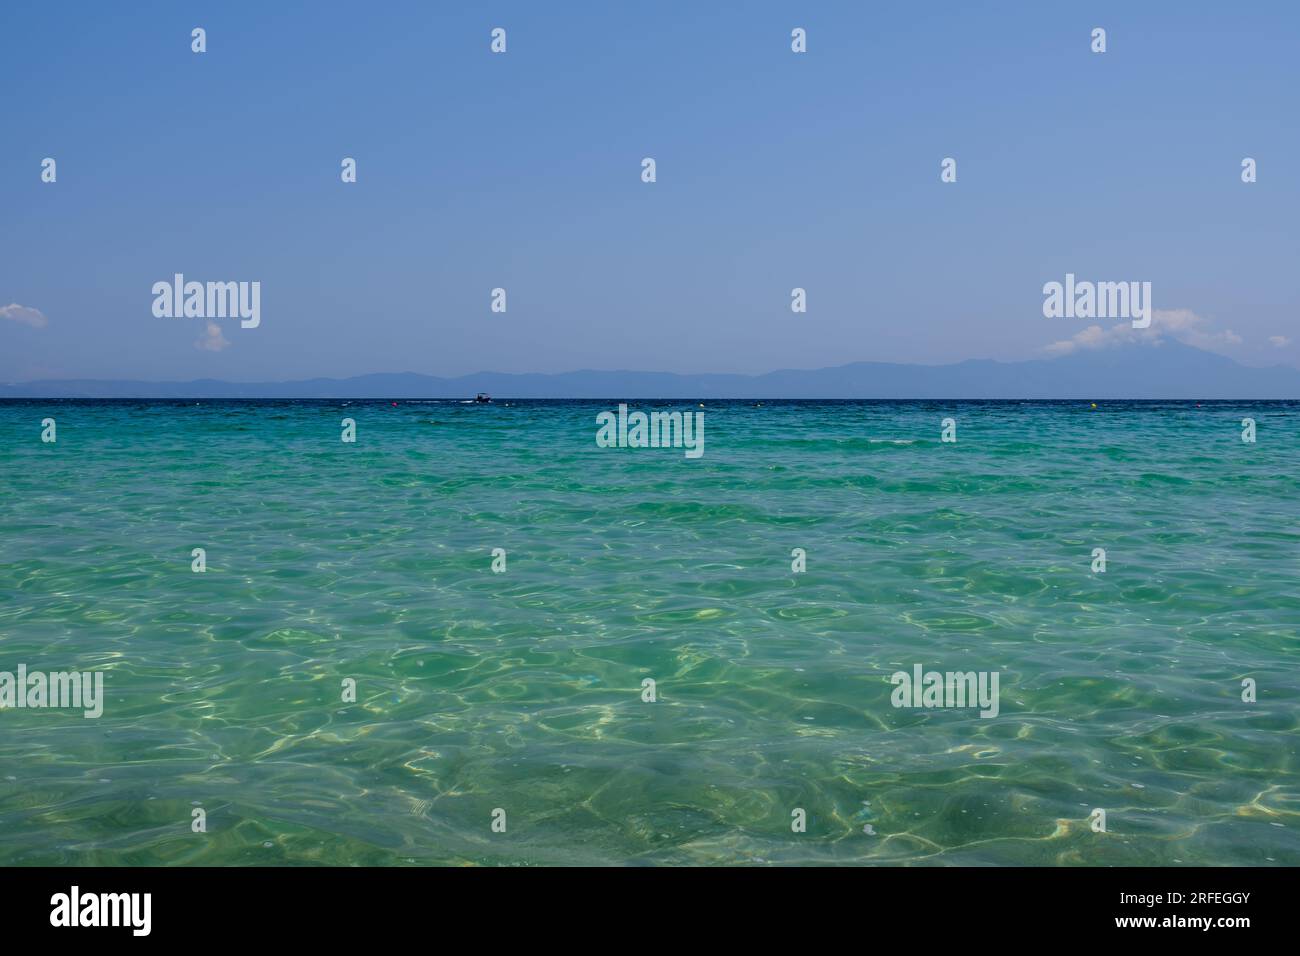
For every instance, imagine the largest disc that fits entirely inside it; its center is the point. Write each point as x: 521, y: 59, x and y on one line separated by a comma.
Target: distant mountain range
x: 1170, y: 370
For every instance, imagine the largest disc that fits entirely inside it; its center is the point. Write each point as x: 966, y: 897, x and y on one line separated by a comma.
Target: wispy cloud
x: 24, y: 314
x: 1281, y: 341
x: 1184, y: 325
x: 212, y: 339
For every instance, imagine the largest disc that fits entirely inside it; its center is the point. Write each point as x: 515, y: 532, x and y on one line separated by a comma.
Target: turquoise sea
x: 522, y: 691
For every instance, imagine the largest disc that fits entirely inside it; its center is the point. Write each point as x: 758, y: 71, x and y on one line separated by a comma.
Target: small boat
x: 482, y: 398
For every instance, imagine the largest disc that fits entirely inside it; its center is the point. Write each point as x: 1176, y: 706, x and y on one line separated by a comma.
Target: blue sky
x: 522, y: 170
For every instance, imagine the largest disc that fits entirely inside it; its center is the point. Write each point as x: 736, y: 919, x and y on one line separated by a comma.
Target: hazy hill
x: 1168, y: 371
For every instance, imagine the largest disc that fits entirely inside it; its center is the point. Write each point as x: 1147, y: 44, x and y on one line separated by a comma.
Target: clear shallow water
x: 522, y: 690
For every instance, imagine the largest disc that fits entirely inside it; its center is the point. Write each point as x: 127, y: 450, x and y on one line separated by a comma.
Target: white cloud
x: 1281, y: 341
x: 1184, y: 325
x: 212, y: 340
x: 24, y: 314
